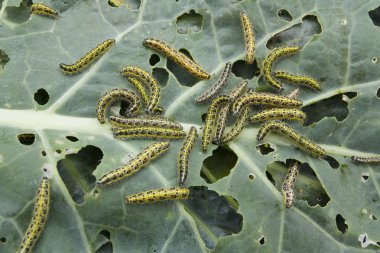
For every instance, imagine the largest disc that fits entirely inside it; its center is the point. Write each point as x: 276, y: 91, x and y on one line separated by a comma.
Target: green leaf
x: 237, y: 204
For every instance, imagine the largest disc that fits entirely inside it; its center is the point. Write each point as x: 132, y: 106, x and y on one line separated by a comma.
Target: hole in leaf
x: 251, y: 176
x: 58, y: 151
x: 26, y: 139
x: 378, y: 93
x: 124, y: 108
x: 284, y: 15
x: 217, y: 213
x: 161, y: 75
x: 203, y: 117
x: 374, y: 60
x: 372, y: 217
x: 340, y: 224
x: 265, y: 148
x: 41, y: 97
x: 244, y: 70
x: 133, y: 5
x: 298, y: 34
x: 106, y: 246
x: 262, y: 240
x: 19, y: 14
x: 182, y: 75
x: 218, y: 165
x: 334, y: 106
x: 365, y: 177
x: 270, y: 177
x: 375, y: 16
x: 43, y: 153
x: 76, y: 171
x: 332, y: 162
x: 189, y: 22
x: 154, y: 59
x: 106, y: 233
x: 3, y: 239
x: 72, y: 138
x: 4, y: 59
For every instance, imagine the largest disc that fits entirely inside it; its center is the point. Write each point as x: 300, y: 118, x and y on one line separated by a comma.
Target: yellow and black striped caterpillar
x: 279, y: 113
x: 183, y: 155
x: 115, y: 3
x: 154, y: 133
x: 44, y: 10
x: 288, y: 185
x: 175, y: 193
x: 297, y: 79
x: 249, y: 38
x: 238, y: 126
x: 158, y: 122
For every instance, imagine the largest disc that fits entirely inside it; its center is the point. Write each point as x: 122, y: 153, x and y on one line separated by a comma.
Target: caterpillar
x: 297, y: 79
x: 88, y: 59
x: 279, y: 113
x: 147, y: 155
x: 301, y: 141
x: 249, y: 38
x: 294, y: 93
x: 183, y: 155
x: 216, y: 88
x: 359, y: 159
x: 238, y: 126
x: 221, y: 124
x: 240, y: 89
x: 122, y: 122
x: 145, y: 77
x: 115, y: 3
x: 154, y: 133
x: 255, y: 98
x: 288, y: 185
x: 175, y: 193
x: 144, y: 94
x: 270, y: 60
x: 40, y: 215
x: 210, y: 120
x: 178, y: 57
x: 113, y: 96
x: 44, y: 10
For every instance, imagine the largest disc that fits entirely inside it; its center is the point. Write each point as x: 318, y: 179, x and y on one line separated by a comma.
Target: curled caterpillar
x: 270, y: 59
x: 279, y: 113
x: 256, y: 98
x: 249, y: 38
x: 369, y: 160
x: 44, y: 10
x: 221, y: 123
x: 216, y: 88
x: 113, y: 96
x: 301, y: 141
x: 288, y: 185
x: 178, y: 57
x: 184, y: 153
x: 122, y: 122
x: 237, y: 127
x: 239, y: 90
x: 88, y: 59
x: 154, y: 133
x: 134, y: 165
x: 145, y: 77
x: 297, y: 79
x: 40, y: 215
x: 211, y: 118
x: 175, y: 193
x: 115, y: 3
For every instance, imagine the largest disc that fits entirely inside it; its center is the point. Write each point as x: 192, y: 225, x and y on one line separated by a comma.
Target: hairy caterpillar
x: 143, y: 122
x: 134, y: 165
x: 175, y: 193
x: 154, y: 133
x: 359, y: 159
x: 40, y: 214
x: 238, y: 126
x: 113, y: 96
x: 301, y: 141
x: 255, y: 98
x: 270, y: 60
x: 296, y: 79
x: 288, y: 185
x: 216, y: 88
x: 89, y: 58
x: 115, y: 3
x: 145, y: 77
x: 249, y: 38
x: 178, y: 57
x: 211, y: 118
x: 279, y: 113
x: 184, y: 153
x: 44, y: 10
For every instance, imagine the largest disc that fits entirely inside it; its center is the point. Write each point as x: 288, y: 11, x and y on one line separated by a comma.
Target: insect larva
x: 255, y: 98
x: 237, y: 127
x: 113, y: 96
x: 143, y: 122
x: 249, y: 38
x: 154, y: 133
x: 216, y: 88
x: 294, y: 93
x: 210, y: 120
x: 145, y: 77
x: 290, y: 133
x: 183, y: 155
x: 297, y: 79
x: 221, y: 123
x: 270, y: 60
x: 279, y: 113
x: 134, y: 165
x: 359, y: 159
x: 287, y: 186
x: 115, y: 3
x: 240, y: 89
x: 88, y: 59
x: 40, y: 214
x: 44, y: 10
x: 175, y: 193
x: 178, y: 57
